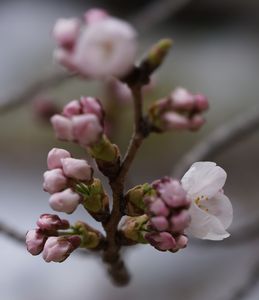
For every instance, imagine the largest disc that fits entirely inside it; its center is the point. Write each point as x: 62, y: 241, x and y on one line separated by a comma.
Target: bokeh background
x: 215, y: 52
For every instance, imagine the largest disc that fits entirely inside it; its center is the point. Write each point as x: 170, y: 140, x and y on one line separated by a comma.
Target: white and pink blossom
x: 211, y: 210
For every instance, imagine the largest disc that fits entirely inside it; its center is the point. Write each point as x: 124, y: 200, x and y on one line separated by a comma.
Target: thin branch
x: 243, y: 292
x: 12, y: 233
x: 137, y: 137
x: 32, y: 91
x: 220, y: 139
x: 155, y: 12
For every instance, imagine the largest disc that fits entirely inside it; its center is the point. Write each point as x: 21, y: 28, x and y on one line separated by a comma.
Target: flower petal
x: 205, y: 226
x: 220, y: 207
x: 203, y: 179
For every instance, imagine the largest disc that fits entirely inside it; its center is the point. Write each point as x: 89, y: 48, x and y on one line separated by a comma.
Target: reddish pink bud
x: 66, y: 201
x: 35, y: 241
x: 87, y: 129
x: 201, y: 102
x: 174, y: 120
x: 159, y: 223
x: 72, y: 108
x: 92, y: 105
x: 66, y: 32
x: 54, y: 157
x: 52, y: 222
x: 172, y: 192
x: 118, y: 91
x: 180, y: 221
x: 196, y: 122
x: 44, y: 108
x: 95, y: 15
x: 162, y: 241
x: 182, y: 99
x: 181, y: 241
x: 54, y: 181
x: 157, y: 207
x: 77, y: 169
x: 62, y: 127
x: 57, y: 249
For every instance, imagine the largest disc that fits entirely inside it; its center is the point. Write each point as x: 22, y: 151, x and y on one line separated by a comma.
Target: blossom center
x: 200, y: 202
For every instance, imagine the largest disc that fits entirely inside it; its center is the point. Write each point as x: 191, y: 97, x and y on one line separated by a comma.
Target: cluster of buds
x: 96, y: 47
x: 80, y: 121
x: 61, y: 178
x: 70, y: 182
x: 181, y: 110
x: 45, y: 238
x: 168, y: 215
x: 158, y: 214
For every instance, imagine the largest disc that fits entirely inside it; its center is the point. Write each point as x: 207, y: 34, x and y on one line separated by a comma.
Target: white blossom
x: 211, y: 210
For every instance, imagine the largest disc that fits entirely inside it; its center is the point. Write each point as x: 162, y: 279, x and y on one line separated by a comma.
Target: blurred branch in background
x: 12, y: 233
x: 154, y: 13
x: 243, y: 292
x: 220, y: 139
x: 29, y: 93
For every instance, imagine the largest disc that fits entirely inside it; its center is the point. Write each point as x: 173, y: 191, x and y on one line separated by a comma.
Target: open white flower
x: 106, y: 48
x: 211, y: 211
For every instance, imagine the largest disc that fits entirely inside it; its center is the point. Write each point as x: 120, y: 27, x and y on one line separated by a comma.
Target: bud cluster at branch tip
x: 180, y: 111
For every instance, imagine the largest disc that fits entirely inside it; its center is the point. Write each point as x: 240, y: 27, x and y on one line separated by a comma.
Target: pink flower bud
x: 62, y: 127
x: 201, y: 102
x: 118, y: 90
x: 174, y: 120
x: 180, y: 221
x: 92, y: 105
x: 66, y: 32
x: 57, y: 249
x: 159, y: 223
x: 182, y: 99
x: 106, y: 48
x: 52, y: 222
x: 66, y: 59
x: 157, y: 207
x: 87, y: 129
x: 72, y: 108
x: 66, y: 201
x: 196, y: 122
x: 95, y: 15
x: 181, y: 241
x: 44, y: 108
x: 77, y: 168
x: 35, y: 241
x: 54, y: 157
x: 162, y: 241
x: 54, y: 181
x: 172, y: 192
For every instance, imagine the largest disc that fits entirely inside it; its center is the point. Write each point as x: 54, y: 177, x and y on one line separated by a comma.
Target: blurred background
x: 215, y: 52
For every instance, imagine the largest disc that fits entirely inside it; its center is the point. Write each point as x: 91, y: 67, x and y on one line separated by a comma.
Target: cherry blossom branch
x: 33, y: 90
x: 220, y: 139
x: 156, y: 12
x: 249, y: 285
x: 12, y: 233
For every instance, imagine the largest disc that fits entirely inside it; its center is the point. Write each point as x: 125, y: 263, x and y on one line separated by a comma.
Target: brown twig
x: 111, y: 254
x: 12, y: 233
x: 220, y: 139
